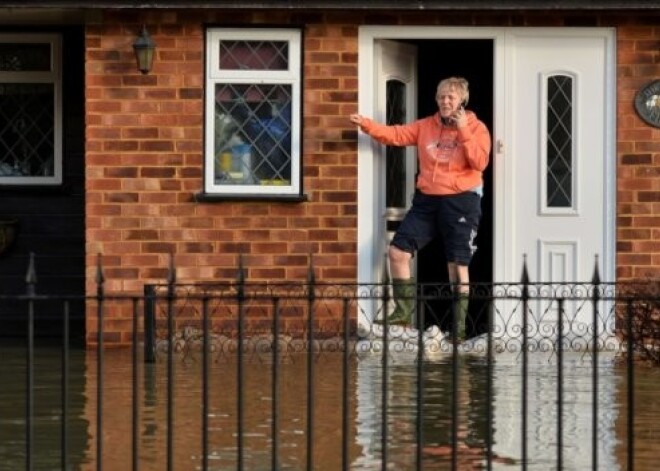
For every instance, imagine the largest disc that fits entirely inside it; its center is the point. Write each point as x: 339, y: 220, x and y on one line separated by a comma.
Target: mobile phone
x: 453, y: 116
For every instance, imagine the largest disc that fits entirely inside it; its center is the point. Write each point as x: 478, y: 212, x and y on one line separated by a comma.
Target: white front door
x: 557, y: 162
x: 558, y: 152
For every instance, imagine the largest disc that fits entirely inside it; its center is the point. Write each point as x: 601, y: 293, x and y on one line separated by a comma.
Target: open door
x: 395, y: 167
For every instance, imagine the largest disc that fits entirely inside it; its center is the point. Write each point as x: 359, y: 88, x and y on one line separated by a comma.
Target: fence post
x: 31, y: 291
x: 311, y: 288
x: 240, y: 378
x: 149, y: 323
x: 595, y: 280
x: 385, y: 300
x: 525, y: 301
x: 171, y: 281
x: 630, y: 350
x: 100, y: 296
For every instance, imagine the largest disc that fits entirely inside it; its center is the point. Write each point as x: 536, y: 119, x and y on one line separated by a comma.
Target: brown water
x: 364, y: 413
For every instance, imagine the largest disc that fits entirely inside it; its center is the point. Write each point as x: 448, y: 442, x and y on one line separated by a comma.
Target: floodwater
x: 363, y: 443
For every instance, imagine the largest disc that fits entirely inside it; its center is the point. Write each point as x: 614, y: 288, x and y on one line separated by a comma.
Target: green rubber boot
x: 404, y: 302
x: 461, y: 311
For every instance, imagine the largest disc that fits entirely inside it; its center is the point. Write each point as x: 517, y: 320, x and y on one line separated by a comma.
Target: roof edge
x: 410, y: 5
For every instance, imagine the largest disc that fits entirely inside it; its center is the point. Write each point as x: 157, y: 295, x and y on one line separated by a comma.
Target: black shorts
x: 454, y: 217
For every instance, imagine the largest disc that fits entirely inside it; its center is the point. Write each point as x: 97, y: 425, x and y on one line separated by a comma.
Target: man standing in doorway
x: 453, y: 149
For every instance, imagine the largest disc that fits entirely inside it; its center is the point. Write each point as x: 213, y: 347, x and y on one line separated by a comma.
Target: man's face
x: 448, y: 100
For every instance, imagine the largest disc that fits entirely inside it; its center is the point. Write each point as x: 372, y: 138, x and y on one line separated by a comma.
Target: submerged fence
x: 233, y: 329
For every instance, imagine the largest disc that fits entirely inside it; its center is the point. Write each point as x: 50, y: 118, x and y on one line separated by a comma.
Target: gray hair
x: 457, y: 83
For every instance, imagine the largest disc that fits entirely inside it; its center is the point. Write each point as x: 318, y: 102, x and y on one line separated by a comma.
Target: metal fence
x: 268, y: 322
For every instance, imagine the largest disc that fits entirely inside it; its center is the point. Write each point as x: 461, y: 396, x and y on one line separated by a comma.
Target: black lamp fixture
x: 144, y: 48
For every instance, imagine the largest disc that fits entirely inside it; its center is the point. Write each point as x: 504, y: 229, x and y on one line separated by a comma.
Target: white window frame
x: 52, y: 76
x: 291, y: 76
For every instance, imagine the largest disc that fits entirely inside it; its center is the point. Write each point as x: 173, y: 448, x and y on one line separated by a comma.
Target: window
x: 30, y: 111
x: 253, y: 95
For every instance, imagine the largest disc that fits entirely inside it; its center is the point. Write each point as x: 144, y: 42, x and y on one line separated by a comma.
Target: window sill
x: 203, y: 197
x: 58, y: 189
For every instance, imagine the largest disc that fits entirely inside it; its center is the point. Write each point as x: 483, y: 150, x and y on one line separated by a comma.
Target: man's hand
x: 459, y: 117
x: 356, y: 119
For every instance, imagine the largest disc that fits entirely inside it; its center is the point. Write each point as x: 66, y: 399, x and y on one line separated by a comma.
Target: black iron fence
x: 244, y: 324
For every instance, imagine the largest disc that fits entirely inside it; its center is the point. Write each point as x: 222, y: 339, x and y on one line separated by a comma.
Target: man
x: 453, y: 148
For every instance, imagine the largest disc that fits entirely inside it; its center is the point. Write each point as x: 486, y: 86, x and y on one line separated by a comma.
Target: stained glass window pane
x: 26, y: 129
x: 254, y: 55
x: 559, y: 146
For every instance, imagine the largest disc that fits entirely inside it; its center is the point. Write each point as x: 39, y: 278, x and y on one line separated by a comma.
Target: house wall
x: 638, y: 153
x: 144, y: 159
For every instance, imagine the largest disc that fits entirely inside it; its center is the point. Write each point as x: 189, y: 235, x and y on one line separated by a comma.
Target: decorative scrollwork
x: 540, y: 317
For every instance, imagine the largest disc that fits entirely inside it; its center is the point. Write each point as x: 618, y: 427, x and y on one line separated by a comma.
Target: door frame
x: 503, y: 171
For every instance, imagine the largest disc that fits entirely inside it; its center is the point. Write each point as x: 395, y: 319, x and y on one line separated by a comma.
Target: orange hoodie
x: 451, y: 160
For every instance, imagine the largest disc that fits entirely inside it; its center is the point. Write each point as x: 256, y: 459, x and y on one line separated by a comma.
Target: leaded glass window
x: 26, y: 129
x: 254, y: 55
x: 252, y: 112
x: 30, y: 144
x: 559, y: 145
x: 395, y: 162
x: 253, y: 133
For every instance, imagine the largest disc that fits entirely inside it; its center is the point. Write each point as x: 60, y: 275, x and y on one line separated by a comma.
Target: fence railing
x: 245, y: 323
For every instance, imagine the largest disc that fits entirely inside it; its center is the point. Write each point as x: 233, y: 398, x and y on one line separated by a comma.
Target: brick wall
x: 145, y: 141
x: 144, y: 165
x: 638, y: 156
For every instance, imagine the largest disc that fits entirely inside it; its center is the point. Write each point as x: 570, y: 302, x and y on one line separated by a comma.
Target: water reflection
x: 365, y: 405
x: 436, y: 414
x: 47, y: 407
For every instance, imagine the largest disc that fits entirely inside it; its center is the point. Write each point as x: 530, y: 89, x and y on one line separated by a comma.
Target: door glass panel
x: 395, y: 157
x: 559, y: 171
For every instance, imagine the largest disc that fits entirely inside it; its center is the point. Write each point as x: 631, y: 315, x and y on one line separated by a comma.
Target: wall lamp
x: 144, y: 48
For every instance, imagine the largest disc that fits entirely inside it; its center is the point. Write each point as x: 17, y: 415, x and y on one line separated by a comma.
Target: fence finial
x: 311, y: 277
x: 31, y: 276
x: 524, y: 279
x: 386, y: 274
x: 240, y: 277
x: 171, y: 271
x: 240, y: 281
x: 595, y: 280
x: 99, y: 279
